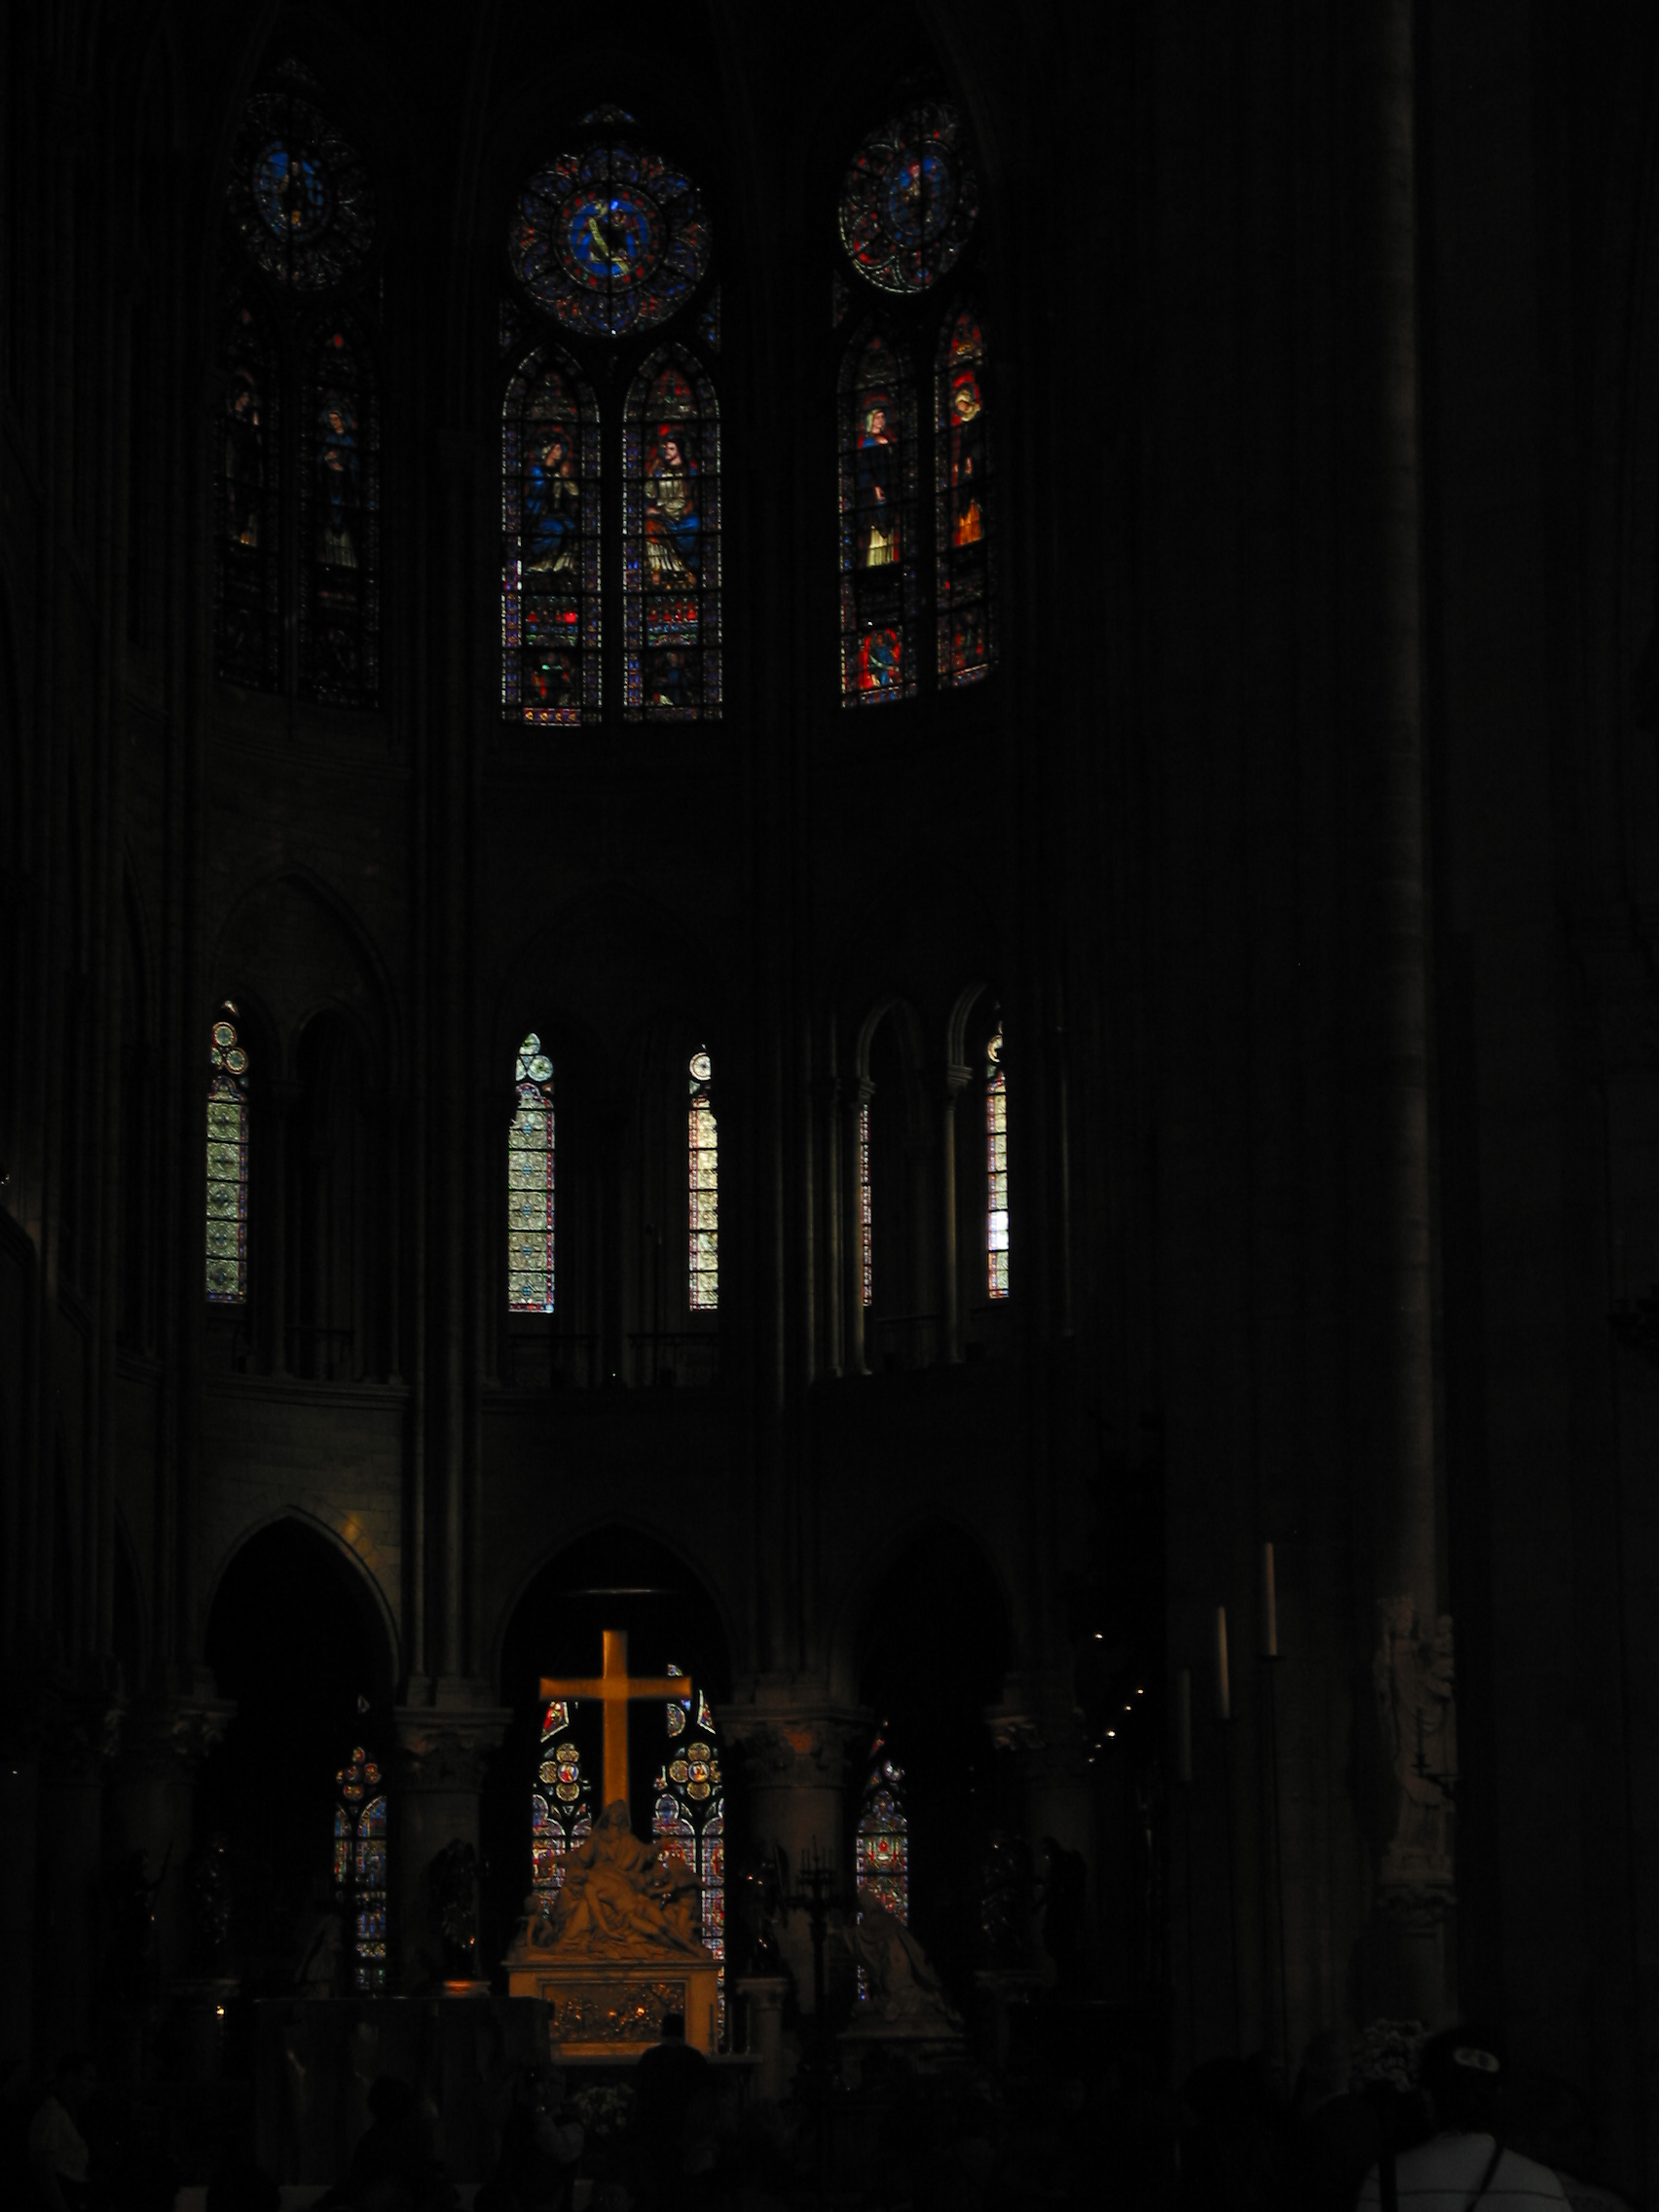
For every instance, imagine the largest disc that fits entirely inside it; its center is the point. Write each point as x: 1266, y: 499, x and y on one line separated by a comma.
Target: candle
x: 1270, y: 1606
x: 1223, y: 1695
x: 1184, y: 1725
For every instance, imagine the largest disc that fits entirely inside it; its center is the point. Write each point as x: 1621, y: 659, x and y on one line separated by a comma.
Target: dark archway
x: 616, y: 1578
x: 294, y: 1637
x: 933, y: 1651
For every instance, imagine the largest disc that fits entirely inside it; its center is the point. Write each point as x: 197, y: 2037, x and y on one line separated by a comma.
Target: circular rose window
x: 909, y: 200
x: 610, y: 240
x: 299, y: 197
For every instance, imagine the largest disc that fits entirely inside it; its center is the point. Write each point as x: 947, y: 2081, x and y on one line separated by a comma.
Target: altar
x: 615, y: 1948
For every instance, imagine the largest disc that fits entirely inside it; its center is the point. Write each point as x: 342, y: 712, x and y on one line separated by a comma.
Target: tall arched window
x: 881, y: 1843
x: 996, y: 1166
x: 962, y: 498
x: 247, y: 541
x: 298, y: 540
x: 561, y: 1813
x: 878, y: 523
x: 550, y: 610
x: 703, y: 1180
x: 227, y: 1163
x: 360, y: 1866
x: 530, y: 1184
x: 688, y: 1812
x: 339, y: 522
x: 672, y: 541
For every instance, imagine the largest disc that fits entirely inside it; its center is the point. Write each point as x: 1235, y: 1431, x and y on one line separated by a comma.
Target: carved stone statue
x: 619, y: 1897
x: 1412, y: 1676
x: 904, y: 1992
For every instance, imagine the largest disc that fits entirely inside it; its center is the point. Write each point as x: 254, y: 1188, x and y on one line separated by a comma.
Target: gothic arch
x: 613, y: 947
x: 347, y: 1540
x: 901, y: 1533
x: 294, y: 945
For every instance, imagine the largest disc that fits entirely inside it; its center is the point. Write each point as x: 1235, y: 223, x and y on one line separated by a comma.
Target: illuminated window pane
x: 996, y: 1167
x: 864, y: 1204
x: 530, y: 1184
x: 880, y: 586
x: 672, y: 542
x: 881, y: 1845
x: 550, y: 488
x: 227, y: 1163
x: 962, y: 528
x: 688, y: 1815
x: 560, y: 1817
x: 339, y: 512
x: 703, y: 1195
x: 246, y: 567
x: 360, y: 1858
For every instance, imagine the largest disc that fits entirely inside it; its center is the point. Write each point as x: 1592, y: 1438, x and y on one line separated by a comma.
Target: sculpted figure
x: 904, y: 1990
x: 1413, y: 1683
x: 618, y: 1894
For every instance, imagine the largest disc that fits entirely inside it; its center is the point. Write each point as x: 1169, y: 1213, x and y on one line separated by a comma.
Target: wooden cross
x: 615, y: 1687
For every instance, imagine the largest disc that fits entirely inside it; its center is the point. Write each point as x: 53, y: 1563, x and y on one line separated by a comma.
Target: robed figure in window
x: 878, y: 514
x: 671, y: 510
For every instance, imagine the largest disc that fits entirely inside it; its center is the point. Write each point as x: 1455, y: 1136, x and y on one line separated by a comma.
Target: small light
x: 1111, y: 1731
x: 220, y: 2010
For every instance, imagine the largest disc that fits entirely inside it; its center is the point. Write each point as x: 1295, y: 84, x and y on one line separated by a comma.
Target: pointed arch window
x: 962, y: 481
x: 339, y: 522
x: 996, y: 1166
x: 530, y: 1183
x: 879, y: 588
x: 672, y: 541
x: 227, y: 1161
x: 360, y: 1866
x: 703, y: 1177
x: 882, y: 1842
x: 688, y: 1811
x: 561, y: 1812
x: 550, y: 484
x: 247, y: 540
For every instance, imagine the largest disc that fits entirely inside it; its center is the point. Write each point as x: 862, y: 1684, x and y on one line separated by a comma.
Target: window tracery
x: 531, y: 1184
x: 360, y: 1866
x: 702, y: 1144
x: 550, y: 523
x: 996, y: 1166
x: 672, y: 541
x: 227, y: 1163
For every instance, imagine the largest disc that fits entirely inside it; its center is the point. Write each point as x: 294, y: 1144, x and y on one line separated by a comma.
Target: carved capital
x: 796, y: 1745
x: 166, y: 1737
x: 447, y: 1752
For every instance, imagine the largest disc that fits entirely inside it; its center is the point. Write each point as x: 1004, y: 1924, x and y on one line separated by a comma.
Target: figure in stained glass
x: 610, y: 238
x: 244, y: 457
x: 550, y: 608
x: 670, y: 509
x: 962, y: 461
x: 300, y: 197
x: 878, y: 508
x: 247, y: 573
x: 340, y: 608
x: 360, y: 1866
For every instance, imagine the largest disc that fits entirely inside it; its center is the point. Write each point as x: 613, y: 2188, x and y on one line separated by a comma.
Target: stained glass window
x: 688, y: 1813
x: 869, y: 1259
x: 610, y: 238
x: 530, y: 1184
x: 709, y: 321
x: 561, y: 1815
x: 881, y: 1844
x: 672, y: 540
x: 961, y: 502
x: 702, y: 1146
x: 227, y: 1163
x: 996, y: 1166
x: 878, y: 523
x: 550, y: 618
x: 360, y: 1866
x: 299, y: 200
x: 339, y: 496
x: 249, y: 508
x: 909, y: 200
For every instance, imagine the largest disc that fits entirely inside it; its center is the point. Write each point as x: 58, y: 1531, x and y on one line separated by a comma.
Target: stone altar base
x: 315, y: 2057
x: 887, y: 2043
x: 604, y: 2007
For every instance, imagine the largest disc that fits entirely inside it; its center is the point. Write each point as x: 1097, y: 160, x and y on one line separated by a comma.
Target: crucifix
x: 614, y: 1687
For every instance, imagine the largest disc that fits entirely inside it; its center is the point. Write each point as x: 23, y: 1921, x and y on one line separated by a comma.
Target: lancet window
x: 881, y: 1843
x: 702, y: 1154
x: 879, y: 576
x: 688, y: 1811
x: 561, y: 1811
x: 360, y: 1866
x: 996, y: 1166
x: 550, y: 485
x: 227, y: 1161
x: 672, y: 541
x: 530, y: 1183
x: 961, y: 502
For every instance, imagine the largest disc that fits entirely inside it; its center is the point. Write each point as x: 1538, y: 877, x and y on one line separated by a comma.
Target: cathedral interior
x: 1081, y: 1261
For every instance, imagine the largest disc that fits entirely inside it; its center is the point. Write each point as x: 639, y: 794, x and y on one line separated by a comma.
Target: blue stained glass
x: 672, y: 541
x: 550, y: 522
x: 300, y: 197
x: 879, y: 578
x: 610, y: 238
x: 909, y: 200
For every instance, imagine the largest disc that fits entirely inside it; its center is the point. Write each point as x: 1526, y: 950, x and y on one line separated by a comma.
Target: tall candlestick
x: 1223, y: 1695
x: 1184, y: 1725
x: 1270, y: 1606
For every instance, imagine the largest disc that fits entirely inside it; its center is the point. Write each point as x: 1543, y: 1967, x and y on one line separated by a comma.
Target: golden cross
x: 615, y: 1687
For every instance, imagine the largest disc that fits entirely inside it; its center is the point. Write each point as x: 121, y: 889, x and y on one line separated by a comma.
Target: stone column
x: 1039, y: 1728
x: 77, y: 1744
x: 19, y: 1808
x: 855, y: 1097
x: 150, y: 1799
x: 951, y: 1087
x: 276, y: 1099
x: 1405, y: 1769
x: 797, y: 1754
x: 442, y: 1754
